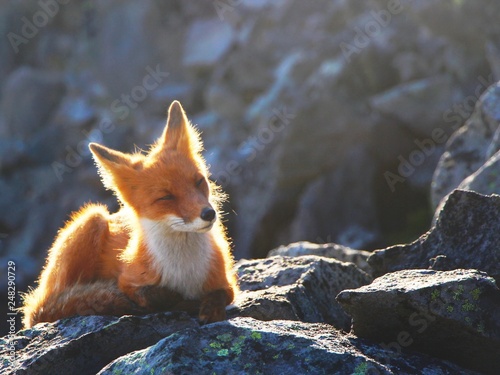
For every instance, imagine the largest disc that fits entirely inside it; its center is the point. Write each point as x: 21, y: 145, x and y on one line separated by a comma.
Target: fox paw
x: 213, y: 307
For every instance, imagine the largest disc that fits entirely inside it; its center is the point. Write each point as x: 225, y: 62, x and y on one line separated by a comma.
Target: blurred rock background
x: 324, y: 121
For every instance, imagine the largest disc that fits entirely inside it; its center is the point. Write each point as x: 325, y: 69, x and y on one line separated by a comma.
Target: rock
x: 486, y: 180
x: 299, y: 288
x: 466, y: 231
x: 207, y: 41
x: 453, y: 315
x: 28, y: 99
x: 247, y: 346
x: 328, y: 250
x: 469, y: 147
x: 419, y: 105
x: 290, y: 164
x: 340, y: 205
x: 84, y: 345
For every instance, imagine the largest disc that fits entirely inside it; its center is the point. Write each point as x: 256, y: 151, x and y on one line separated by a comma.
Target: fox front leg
x: 213, y: 306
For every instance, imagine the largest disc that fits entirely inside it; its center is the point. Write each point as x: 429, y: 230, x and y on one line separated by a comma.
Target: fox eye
x: 200, y: 181
x: 168, y: 197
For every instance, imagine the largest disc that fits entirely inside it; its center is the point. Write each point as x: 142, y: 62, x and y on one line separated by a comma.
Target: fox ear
x: 179, y: 135
x: 113, y: 167
x: 108, y: 158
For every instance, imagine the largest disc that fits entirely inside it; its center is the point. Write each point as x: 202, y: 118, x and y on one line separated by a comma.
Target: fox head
x: 169, y: 184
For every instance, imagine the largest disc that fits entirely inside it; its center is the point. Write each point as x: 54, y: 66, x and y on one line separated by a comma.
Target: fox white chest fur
x: 182, y: 258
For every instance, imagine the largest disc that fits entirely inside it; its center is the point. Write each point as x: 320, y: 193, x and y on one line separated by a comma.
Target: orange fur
x: 165, y: 247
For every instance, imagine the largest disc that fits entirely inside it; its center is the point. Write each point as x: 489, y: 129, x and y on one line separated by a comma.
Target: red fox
x: 164, y: 249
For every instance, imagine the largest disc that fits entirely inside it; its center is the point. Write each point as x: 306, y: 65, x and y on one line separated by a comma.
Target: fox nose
x: 207, y: 214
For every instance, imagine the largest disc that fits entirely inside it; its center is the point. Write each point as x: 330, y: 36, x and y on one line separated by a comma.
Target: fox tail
x: 96, y: 298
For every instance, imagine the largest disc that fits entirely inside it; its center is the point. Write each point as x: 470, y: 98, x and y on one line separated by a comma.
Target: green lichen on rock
x: 476, y: 293
x: 457, y: 294
x: 435, y: 294
x: 361, y: 369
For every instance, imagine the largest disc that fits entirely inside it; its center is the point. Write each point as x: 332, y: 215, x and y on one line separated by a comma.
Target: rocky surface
x: 451, y: 314
x: 466, y: 235
x: 295, y: 312
x: 268, y: 333
x: 302, y: 288
x: 330, y: 250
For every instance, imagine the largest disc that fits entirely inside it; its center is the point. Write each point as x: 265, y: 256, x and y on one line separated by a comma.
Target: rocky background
x: 338, y: 122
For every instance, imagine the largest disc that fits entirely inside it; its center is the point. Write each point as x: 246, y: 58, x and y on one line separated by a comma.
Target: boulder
x: 466, y: 232
x: 206, y: 42
x: 328, y: 250
x: 248, y: 346
x: 296, y: 288
x: 84, y: 345
x: 340, y: 205
x: 470, y: 146
x: 453, y: 315
x: 420, y: 104
x: 486, y: 180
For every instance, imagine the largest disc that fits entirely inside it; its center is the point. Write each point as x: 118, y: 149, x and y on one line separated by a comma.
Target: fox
x: 165, y: 249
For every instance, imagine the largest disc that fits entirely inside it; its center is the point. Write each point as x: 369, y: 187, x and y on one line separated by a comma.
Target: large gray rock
x: 453, y: 315
x: 329, y: 250
x: 206, y: 42
x: 419, y: 105
x: 470, y: 146
x: 340, y: 205
x: 466, y: 235
x: 486, y: 180
x: 247, y: 346
x: 84, y: 345
x: 296, y: 288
